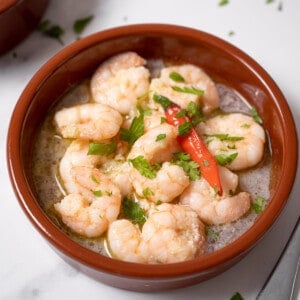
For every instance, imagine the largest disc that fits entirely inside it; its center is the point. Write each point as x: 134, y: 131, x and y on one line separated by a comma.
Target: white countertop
x: 29, y: 268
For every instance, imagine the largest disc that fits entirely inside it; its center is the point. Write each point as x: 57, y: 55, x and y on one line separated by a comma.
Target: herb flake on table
x: 237, y: 296
x: 80, y: 24
x: 223, y: 2
x: 53, y: 31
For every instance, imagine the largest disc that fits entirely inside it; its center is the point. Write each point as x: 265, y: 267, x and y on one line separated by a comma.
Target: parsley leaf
x: 258, y: 204
x: 162, y: 100
x: 102, y: 148
x: 223, y: 159
x: 183, y: 160
x: 176, y: 77
x: 188, y: 90
x: 184, y: 128
x: 80, y: 24
x: 194, y: 113
x: 147, y: 192
x: 97, y: 193
x: 256, y: 116
x: 237, y: 296
x: 54, y: 31
x: 223, y: 2
x: 135, y: 130
x: 142, y: 165
x: 133, y: 211
x: 226, y: 137
x: 160, y: 137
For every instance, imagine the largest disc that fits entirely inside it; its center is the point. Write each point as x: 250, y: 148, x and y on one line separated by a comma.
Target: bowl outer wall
x: 202, y: 267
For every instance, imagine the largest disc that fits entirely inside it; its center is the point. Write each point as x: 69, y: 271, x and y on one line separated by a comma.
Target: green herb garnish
x: 183, y: 160
x: 269, y: 1
x: 94, y: 179
x: 176, y: 77
x: 135, y: 130
x: 258, y: 204
x: 160, y: 137
x: 255, y: 116
x: 98, y: 193
x: 142, y: 165
x: 188, y: 90
x: 211, y: 234
x: 223, y: 2
x: 184, y: 128
x: 80, y: 24
x: 162, y: 100
x: 52, y: 31
x: 237, y: 296
x: 245, y: 125
x: 231, y: 33
x: 194, y: 113
x: 133, y: 211
x: 147, y: 192
x: 226, y: 137
x: 102, y: 148
x: 224, y: 160
x: 163, y: 120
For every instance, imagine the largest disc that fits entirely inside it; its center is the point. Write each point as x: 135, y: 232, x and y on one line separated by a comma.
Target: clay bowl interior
x: 224, y: 63
x: 17, y: 19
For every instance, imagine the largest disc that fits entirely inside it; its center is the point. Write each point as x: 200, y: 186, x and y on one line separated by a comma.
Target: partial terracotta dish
x: 17, y: 19
x: 226, y: 64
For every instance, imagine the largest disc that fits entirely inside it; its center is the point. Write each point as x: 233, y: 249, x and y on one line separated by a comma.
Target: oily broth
x: 50, y: 148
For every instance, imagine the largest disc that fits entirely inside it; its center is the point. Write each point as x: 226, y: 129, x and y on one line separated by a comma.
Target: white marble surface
x: 29, y: 269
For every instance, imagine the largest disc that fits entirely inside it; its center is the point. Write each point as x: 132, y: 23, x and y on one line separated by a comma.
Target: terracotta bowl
x: 17, y: 19
x: 220, y: 59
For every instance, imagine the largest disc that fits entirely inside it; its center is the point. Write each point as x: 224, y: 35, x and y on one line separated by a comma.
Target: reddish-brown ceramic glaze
x: 223, y: 62
x: 17, y: 19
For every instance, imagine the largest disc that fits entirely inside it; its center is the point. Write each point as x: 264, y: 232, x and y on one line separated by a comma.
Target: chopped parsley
x: 226, y: 137
x: 160, y: 137
x: 142, y: 165
x: 211, y: 234
x: 52, y: 31
x: 224, y: 160
x: 184, y: 128
x: 255, y: 116
x: 135, y: 130
x: 237, y: 296
x: 94, y: 179
x: 147, y: 192
x: 102, y: 148
x: 163, y: 120
x: 176, y: 77
x: 231, y: 33
x: 223, y: 2
x: 98, y: 193
x: 162, y: 100
x: 245, y: 125
x: 133, y: 211
x: 80, y: 24
x: 183, y: 160
x: 258, y: 204
x: 188, y: 90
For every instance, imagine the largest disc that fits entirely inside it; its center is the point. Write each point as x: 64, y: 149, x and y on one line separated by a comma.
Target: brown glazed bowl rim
x: 105, y: 264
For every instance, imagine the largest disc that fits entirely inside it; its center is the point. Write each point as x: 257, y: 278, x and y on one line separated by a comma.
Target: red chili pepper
x: 196, y: 148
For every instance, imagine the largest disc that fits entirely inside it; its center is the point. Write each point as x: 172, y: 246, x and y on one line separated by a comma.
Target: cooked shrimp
x: 170, y: 182
x: 249, y: 136
x: 210, y: 207
x: 77, y: 155
x: 192, y: 77
x: 173, y: 233
x: 91, y: 121
x: 120, y: 80
x: 124, y: 239
x: 95, y: 204
x: 153, y: 150
x: 118, y: 172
